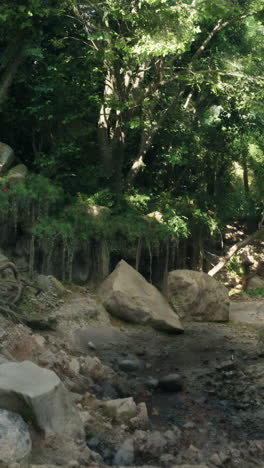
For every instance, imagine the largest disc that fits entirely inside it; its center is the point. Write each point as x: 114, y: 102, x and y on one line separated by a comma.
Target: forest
x: 140, y: 123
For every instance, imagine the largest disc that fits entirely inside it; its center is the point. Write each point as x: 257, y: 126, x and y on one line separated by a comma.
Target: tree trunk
x: 245, y: 173
x: 9, y: 72
x: 110, y: 134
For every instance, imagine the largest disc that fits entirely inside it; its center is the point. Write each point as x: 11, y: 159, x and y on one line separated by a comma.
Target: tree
x: 152, y: 53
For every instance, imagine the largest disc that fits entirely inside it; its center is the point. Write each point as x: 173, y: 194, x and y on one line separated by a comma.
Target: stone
x: 92, y: 367
x: 126, y: 294
x: 141, y: 421
x: 50, y: 284
x: 196, y: 296
x: 247, y: 312
x: 17, y: 174
x: 125, y: 455
x: 215, y: 459
x: 38, y: 395
x: 7, y: 157
x: 38, y: 321
x: 171, y: 383
x: 121, y: 409
x: 74, y: 365
x: 152, y: 383
x: 257, y: 282
x: 130, y: 365
x: 153, y: 445
x: 15, y: 441
x: 40, y: 340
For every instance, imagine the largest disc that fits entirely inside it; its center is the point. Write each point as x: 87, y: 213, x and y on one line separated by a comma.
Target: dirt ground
x: 222, y: 372
x: 219, y: 408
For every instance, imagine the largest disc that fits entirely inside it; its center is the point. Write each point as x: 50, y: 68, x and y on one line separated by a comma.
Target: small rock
x: 171, y: 383
x: 215, y: 459
x: 141, y: 421
x: 152, y: 383
x: 189, y: 425
x: 40, y: 340
x: 130, y: 365
x: 125, y: 455
x: 74, y: 365
x: 122, y: 409
x: 15, y: 442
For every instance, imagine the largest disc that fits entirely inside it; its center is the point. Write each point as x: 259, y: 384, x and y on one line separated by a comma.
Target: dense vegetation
x: 136, y: 105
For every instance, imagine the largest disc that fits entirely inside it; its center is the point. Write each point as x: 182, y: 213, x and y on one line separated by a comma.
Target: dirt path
x: 210, y: 392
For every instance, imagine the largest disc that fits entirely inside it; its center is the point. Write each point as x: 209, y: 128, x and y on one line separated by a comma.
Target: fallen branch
x: 235, y: 248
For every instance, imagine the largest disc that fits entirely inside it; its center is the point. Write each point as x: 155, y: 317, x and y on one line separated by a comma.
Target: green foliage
x: 258, y: 292
x: 193, y: 113
x: 234, y: 266
x: 103, y: 197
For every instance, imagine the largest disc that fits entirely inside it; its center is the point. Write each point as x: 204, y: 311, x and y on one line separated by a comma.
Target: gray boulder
x: 50, y: 284
x: 17, y: 174
x: 127, y: 295
x: 15, y: 442
x: 7, y: 157
x: 38, y: 395
x: 195, y: 295
x: 125, y: 455
x: 256, y: 282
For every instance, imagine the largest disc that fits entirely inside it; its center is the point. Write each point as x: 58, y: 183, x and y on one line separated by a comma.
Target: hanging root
x: 10, y: 290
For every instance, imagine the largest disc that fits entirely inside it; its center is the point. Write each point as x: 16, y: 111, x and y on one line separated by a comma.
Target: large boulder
x: 38, y: 395
x: 127, y: 295
x: 7, y: 157
x: 195, y: 295
x: 256, y: 282
x: 17, y: 174
x: 15, y: 441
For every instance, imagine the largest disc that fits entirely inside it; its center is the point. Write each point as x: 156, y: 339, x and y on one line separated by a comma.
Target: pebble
x: 151, y: 382
x: 215, y: 459
x: 130, y: 365
x: 171, y: 382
